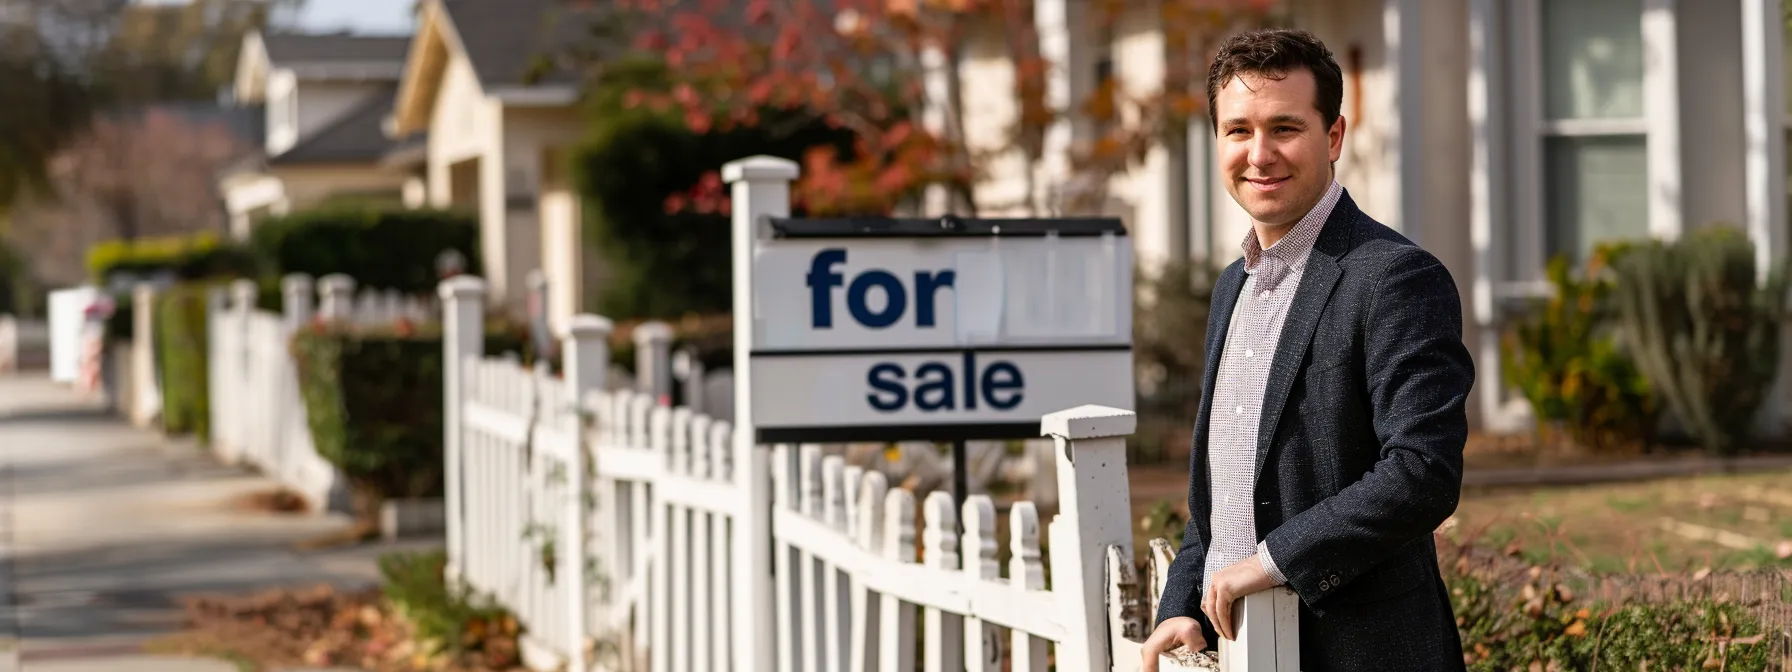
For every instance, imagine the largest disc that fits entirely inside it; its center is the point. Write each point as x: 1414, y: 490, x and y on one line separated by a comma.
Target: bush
x: 448, y: 619
x: 193, y: 257
x: 1532, y: 621
x: 634, y: 158
x: 1704, y: 330
x: 182, y: 344
x: 373, y: 397
x: 1169, y: 335
x: 388, y: 249
x: 1564, y: 360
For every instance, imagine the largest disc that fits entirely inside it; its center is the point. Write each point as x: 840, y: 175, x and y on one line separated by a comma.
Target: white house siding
x: 461, y: 126
x: 1710, y: 101
x: 990, y: 112
x: 1143, y: 193
x: 530, y: 136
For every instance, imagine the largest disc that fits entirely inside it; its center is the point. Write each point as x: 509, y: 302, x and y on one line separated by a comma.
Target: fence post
x: 296, y: 289
x: 760, y: 188
x: 9, y: 343
x: 463, y: 335
x: 243, y: 294
x: 587, y: 349
x: 220, y: 390
x: 688, y: 367
x: 336, y: 295
x: 146, y: 393
x: 1092, y: 489
x: 653, y: 361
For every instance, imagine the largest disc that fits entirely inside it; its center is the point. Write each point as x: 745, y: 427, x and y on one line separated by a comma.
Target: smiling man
x: 1329, y: 441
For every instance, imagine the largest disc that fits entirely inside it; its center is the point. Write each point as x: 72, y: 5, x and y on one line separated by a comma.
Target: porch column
x: 1401, y: 23
x: 1489, y: 209
x: 1764, y: 167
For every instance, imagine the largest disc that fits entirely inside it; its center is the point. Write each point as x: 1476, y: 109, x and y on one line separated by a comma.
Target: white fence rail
x: 628, y: 535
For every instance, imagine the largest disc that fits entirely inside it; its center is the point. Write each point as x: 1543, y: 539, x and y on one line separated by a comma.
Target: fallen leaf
x: 1701, y: 574
x: 1583, y: 613
x: 1576, y: 629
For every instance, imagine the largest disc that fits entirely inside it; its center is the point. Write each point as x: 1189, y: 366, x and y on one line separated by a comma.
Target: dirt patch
x: 275, y: 500
x: 321, y: 627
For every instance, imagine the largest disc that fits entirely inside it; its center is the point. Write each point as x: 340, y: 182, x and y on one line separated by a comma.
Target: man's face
x: 1274, y: 148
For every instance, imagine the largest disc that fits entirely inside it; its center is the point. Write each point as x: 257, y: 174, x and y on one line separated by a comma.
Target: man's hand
x: 1181, y: 630
x: 1244, y: 577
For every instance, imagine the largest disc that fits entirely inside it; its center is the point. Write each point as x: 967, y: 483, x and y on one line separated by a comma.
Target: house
x: 1495, y: 133
x: 324, y: 97
x: 483, y: 84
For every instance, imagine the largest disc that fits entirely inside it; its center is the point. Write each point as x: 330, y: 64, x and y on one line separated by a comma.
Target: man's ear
x: 1335, y: 136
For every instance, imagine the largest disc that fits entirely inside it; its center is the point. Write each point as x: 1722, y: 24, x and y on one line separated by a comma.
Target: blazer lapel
x: 1315, y: 290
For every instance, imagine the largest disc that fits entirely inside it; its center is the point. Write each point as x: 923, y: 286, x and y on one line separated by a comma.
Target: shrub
x: 1564, y: 360
x: 1169, y: 335
x: 182, y: 345
x: 448, y: 619
x: 191, y: 257
x: 635, y: 160
x: 388, y: 249
x: 373, y: 397
x: 1533, y: 621
x: 1704, y: 330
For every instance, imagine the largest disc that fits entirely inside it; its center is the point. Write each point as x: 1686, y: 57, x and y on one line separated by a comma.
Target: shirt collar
x: 1271, y: 265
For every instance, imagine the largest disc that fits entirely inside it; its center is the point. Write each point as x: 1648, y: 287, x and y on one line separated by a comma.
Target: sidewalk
x: 103, y: 527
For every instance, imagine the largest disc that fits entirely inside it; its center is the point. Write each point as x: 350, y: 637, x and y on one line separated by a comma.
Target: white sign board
x: 937, y: 337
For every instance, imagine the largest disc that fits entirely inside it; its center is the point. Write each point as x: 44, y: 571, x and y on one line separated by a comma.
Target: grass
x: 1638, y: 526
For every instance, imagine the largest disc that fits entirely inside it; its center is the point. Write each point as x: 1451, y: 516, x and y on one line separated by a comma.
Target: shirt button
x: 1265, y: 292
x: 1250, y: 352
x: 1238, y: 411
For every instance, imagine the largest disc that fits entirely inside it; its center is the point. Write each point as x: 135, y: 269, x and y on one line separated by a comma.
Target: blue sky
x: 361, y: 16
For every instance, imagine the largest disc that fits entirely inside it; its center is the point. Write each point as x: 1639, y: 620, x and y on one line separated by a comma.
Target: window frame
x: 1658, y: 127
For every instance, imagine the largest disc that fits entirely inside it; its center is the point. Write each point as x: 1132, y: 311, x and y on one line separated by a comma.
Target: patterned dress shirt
x: 1272, y: 277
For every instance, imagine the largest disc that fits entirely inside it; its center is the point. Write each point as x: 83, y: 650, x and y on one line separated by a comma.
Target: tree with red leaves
x: 887, y: 71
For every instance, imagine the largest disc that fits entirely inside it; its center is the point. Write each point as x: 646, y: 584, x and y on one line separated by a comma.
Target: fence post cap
x: 588, y: 326
x: 462, y: 287
x: 296, y: 283
x: 653, y: 331
x: 1088, y: 422
x: 760, y: 168
x: 337, y: 282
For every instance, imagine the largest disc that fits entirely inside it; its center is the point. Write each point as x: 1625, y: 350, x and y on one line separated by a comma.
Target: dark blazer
x: 1359, y: 454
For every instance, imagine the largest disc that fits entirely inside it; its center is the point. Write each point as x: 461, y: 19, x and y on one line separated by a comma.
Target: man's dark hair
x: 1274, y: 54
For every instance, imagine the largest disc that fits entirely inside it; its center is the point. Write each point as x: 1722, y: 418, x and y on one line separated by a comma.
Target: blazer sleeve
x: 1418, y: 374
x: 1182, y: 588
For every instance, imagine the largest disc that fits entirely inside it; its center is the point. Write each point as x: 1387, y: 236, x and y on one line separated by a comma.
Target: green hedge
x: 181, y: 348
x: 374, y: 401
x: 394, y: 249
x: 190, y: 257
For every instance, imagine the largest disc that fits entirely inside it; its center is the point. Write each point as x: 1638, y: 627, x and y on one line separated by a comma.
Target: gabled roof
x: 294, y: 48
x: 358, y: 137
x: 505, y: 38
x: 506, y: 41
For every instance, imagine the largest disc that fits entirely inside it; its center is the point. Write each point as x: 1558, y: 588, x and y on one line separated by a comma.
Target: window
x: 1593, y: 160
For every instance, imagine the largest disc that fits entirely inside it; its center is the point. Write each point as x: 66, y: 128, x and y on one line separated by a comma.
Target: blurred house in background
x: 324, y: 98
x: 1495, y: 133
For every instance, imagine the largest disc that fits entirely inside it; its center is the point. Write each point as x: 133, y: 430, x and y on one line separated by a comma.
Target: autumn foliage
x: 886, y: 71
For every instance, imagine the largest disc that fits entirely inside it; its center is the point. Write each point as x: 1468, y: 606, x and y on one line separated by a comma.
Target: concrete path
x: 103, y: 527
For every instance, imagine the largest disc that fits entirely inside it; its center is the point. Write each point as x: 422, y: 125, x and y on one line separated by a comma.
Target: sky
x: 360, y: 16
x: 386, y: 17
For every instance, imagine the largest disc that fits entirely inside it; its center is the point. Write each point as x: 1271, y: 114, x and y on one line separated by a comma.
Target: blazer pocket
x: 1399, y: 576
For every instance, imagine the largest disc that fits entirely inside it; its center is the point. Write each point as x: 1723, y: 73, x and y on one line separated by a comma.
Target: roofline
x: 433, y: 23
x: 546, y: 95
x: 341, y: 70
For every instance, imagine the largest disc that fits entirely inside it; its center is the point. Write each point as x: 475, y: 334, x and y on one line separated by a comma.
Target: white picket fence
x: 257, y: 415
x: 632, y: 536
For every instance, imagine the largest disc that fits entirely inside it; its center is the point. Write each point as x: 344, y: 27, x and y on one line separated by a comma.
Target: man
x: 1329, y: 442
